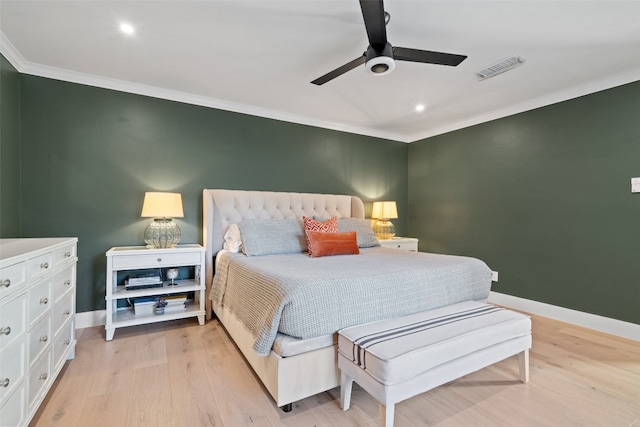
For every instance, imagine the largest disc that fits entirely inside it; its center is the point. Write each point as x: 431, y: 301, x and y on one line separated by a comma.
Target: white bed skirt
x: 288, y: 379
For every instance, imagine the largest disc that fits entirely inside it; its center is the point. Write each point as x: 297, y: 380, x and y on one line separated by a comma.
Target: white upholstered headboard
x: 224, y: 207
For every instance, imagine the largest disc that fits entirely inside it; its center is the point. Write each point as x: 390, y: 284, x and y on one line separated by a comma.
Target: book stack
x: 150, y: 280
x: 143, y: 306
x: 175, y: 302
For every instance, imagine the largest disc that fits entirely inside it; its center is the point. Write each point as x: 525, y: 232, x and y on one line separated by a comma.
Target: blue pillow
x: 272, y: 236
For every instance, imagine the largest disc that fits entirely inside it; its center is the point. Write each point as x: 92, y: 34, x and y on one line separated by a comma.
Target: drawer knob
x: 67, y: 254
x: 44, y: 338
x: 66, y: 342
x: 67, y: 282
x: 44, y: 300
x: 43, y: 376
x: 6, y: 283
x: 159, y: 259
x: 66, y: 312
x: 44, y: 265
x: 4, y: 383
x: 5, y: 331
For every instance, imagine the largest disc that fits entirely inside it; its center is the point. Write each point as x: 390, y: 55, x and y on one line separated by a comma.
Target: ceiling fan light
x: 380, y: 62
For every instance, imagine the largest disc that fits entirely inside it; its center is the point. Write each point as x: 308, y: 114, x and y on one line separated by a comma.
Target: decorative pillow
x: 232, y: 239
x: 362, y: 227
x: 324, y: 244
x: 328, y: 226
x: 272, y: 236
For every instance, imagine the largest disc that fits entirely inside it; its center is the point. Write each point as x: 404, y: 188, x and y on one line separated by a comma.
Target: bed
x: 283, y: 308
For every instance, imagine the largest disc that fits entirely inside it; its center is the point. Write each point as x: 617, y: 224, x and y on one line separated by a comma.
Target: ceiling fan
x: 380, y: 56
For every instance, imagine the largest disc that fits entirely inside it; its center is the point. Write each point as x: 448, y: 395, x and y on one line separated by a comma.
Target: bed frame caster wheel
x: 287, y: 408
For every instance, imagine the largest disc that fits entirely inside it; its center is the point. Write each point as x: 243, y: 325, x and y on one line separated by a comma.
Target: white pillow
x: 233, y: 239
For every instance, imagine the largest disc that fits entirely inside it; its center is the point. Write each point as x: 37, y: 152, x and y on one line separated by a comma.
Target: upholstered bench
x: 396, y: 359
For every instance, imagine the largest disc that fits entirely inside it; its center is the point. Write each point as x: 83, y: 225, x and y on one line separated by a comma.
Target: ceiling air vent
x: 500, y: 67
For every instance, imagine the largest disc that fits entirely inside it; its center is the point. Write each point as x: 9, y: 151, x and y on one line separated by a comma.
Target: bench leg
x: 386, y: 415
x: 345, y: 391
x: 523, y: 363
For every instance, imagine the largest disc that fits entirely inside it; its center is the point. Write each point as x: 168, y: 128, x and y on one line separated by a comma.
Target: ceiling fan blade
x: 426, y: 56
x: 339, y: 71
x: 374, y: 21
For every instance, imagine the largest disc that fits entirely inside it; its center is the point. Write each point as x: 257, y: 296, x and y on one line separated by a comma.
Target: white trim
x: 620, y: 328
x: 25, y: 67
x: 89, y: 319
x: 531, y: 104
x: 587, y: 320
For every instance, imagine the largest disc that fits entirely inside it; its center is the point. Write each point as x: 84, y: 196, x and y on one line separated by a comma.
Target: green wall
x: 9, y: 150
x: 544, y: 197
x: 89, y: 154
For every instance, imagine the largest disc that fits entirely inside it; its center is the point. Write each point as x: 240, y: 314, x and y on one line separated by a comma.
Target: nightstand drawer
x: 155, y: 260
x: 402, y: 243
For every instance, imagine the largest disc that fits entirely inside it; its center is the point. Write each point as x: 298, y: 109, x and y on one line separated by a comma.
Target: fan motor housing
x: 380, y: 61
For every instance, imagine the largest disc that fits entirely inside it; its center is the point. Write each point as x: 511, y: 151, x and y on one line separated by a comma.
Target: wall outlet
x: 494, y: 276
x: 635, y: 185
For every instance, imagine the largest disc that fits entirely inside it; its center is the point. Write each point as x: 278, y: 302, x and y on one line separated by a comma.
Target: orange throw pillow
x: 328, y: 226
x: 324, y: 244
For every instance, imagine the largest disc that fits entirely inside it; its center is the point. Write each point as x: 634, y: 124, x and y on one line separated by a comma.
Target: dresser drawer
x: 64, y: 253
x: 13, y: 319
x: 40, y: 266
x: 63, y: 282
x: 13, y: 411
x: 39, y: 377
x: 39, y: 301
x: 64, y: 339
x: 12, y: 278
x: 12, y: 367
x: 62, y: 311
x: 125, y: 262
x: 39, y: 339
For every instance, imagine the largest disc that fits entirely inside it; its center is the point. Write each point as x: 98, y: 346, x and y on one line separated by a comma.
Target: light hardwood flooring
x: 182, y: 374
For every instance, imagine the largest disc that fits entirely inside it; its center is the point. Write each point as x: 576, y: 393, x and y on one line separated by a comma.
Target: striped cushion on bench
x: 394, y: 350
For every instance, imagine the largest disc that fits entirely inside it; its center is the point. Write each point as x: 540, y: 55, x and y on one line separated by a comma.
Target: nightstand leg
x: 201, y: 320
x: 109, y: 333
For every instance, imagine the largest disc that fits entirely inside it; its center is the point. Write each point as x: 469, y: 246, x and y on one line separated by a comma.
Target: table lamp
x: 162, y: 207
x: 383, y: 212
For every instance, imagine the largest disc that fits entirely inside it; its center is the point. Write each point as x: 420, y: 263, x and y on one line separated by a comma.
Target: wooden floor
x: 181, y: 374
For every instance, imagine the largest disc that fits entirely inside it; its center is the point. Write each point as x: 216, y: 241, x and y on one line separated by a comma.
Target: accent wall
x: 89, y: 154
x: 544, y: 197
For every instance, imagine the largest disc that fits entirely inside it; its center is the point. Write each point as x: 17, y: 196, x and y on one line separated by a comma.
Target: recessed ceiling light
x: 420, y: 108
x: 127, y: 28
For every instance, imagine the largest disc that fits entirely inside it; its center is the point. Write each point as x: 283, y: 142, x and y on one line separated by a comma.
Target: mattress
x: 305, y: 297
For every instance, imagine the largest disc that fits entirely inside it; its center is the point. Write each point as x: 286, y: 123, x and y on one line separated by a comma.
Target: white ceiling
x: 258, y: 57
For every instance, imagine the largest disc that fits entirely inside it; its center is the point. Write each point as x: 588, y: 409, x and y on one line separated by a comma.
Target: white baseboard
x: 620, y: 328
x: 88, y: 319
x: 587, y: 320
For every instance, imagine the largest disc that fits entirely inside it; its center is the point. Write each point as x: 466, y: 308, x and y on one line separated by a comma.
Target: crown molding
x: 542, y: 101
x: 21, y: 65
x: 11, y: 53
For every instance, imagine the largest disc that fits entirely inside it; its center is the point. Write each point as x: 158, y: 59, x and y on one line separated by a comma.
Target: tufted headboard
x: 224, y: 207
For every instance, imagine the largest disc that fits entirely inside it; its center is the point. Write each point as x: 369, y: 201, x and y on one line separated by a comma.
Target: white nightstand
x: 404, y: 243
x: 135, y: 261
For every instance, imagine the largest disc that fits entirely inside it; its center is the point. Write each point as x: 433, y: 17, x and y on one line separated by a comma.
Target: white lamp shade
x: 386, y: 210
x: 162, y: 205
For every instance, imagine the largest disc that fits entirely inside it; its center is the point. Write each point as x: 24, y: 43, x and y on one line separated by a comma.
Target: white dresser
x: 37, y: 321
